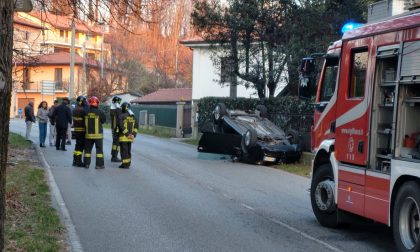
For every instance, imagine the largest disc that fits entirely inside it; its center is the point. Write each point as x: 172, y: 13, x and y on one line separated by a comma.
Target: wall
x: 206, y: 76
x: 37, y: 75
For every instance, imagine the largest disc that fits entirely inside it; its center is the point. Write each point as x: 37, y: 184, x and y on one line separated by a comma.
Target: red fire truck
x: 366, y: 132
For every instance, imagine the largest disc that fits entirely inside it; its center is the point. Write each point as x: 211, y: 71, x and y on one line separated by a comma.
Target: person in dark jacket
x: 63, y: 118
x: 79, y: 130
x: 127, y: 125
x: 29, y: 119
x: 94, y: 133
x: 115, y: 112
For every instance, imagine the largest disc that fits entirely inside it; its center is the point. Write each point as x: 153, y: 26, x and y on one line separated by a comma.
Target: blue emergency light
x: 350, y: 26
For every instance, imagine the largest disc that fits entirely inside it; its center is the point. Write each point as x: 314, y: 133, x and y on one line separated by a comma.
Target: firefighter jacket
x: 94, y: 119
x: 127, y: 125
x: 115, y: 114
x: 79, y: 125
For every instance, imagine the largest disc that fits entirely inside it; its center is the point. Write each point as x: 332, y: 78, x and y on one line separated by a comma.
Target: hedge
x: 287, y: 112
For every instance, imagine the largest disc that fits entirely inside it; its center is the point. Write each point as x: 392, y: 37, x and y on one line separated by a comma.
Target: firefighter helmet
x: 116, y: 99
x: 81, y: 100
x: 125, y: 107
x: 94, y: 101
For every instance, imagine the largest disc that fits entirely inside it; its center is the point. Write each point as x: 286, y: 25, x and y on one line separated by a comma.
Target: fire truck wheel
x: 322, y: 197
x: 406, y: 217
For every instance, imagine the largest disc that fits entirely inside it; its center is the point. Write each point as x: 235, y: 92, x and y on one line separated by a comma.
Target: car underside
x: 249, y: 137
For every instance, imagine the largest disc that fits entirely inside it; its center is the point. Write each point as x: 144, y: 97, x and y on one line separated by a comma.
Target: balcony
x: 37, y: 87
x: 89, y: 45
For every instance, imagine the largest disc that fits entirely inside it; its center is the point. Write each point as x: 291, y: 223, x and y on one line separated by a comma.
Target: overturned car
x: 250, y: 137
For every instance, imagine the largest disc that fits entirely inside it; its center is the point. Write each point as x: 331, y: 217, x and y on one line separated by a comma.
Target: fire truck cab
x: 366, y: 132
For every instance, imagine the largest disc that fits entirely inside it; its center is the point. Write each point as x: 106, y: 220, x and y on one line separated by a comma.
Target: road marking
x: 73, y: 237
x: 248, y: 207
x: 295, y: 230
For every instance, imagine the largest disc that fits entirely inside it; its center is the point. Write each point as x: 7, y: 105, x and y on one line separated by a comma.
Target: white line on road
x: 295, y: 230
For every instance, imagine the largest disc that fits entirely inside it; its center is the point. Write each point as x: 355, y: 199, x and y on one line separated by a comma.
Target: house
x: 167, y: 107
x: 166, y: 96
x: 41, y: 60
x: 207, y: 77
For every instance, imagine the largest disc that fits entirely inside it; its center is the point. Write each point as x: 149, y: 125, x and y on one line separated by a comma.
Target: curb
x: 72, y: 236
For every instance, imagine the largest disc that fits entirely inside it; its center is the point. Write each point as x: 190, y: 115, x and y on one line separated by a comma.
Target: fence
x: 164, y: 115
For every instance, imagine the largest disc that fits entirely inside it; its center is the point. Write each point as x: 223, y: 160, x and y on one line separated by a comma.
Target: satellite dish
x: 23, y: 5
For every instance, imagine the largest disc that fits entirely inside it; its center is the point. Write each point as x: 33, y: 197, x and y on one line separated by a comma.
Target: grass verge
x: 32, y: 224
x: 18, y: 142
x: 297, y: 168
x: 191, y: 141
x: 302, y: 168
x: 153, y: 131
x: 157, y: 131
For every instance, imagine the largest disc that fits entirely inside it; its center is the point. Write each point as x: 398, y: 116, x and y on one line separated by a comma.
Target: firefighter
x: 127, y: 126
x: 79, y: 132
x: 115, y: 112
x: 94, y: 119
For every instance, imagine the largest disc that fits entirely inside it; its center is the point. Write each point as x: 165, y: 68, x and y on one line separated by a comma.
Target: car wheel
x: 406, y: 217
x: 263, y: 110
x: 249, y: 139
x: 219, y: 112
x: 322, y: 197
x: 293, y: 136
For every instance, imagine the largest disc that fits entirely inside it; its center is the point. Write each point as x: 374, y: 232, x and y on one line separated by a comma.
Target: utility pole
x: 102, y: 52
x: 84, y: 70
x: 176, y: 64
x: 6, y: 55
x: 72, y: 54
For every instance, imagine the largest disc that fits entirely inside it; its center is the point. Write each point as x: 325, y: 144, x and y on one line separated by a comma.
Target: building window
x: 61, y: 34
x: 358, y: 73
x: 330, y: 79
x: 61, y: 49
x: 26, y: 78
x: 58, y: 76
x: 226, y: 69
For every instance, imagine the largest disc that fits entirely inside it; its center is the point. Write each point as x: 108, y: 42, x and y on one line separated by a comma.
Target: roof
x: 64, y: 22
x: 59, y: 58
x: 394, y: 24
x: 166, y: 95
x: 26, y: 22
x: 192, y: 40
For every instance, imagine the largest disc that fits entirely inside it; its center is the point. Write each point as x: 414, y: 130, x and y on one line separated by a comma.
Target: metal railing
x: 60, y: 86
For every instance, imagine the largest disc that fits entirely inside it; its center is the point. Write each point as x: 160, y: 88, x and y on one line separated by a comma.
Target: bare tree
x: 6, y: 52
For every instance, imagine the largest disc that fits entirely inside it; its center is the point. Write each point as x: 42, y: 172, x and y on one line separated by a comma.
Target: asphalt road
x: 174, y: 199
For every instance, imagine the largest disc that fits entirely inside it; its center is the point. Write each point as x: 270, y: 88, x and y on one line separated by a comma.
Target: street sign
x: 48, y: 87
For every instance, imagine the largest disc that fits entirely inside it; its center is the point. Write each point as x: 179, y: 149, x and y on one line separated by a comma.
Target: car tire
x: 249, y: 139
x: 293, y: 136
x: 406, y: 215
x: 219, y: 111
x: 322, y: 197
x: 263, y: 110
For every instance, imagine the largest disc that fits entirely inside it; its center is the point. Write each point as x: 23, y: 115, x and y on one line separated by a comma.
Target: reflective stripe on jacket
x: 79, y: 114
x: 94, y: 119
x: 127, y: 125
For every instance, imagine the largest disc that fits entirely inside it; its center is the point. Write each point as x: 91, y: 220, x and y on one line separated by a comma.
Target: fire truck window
x: 358, y: 74
x: 330, y: 80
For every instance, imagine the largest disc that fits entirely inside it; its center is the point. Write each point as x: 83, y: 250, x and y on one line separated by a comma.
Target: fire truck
x: 366, y: 132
